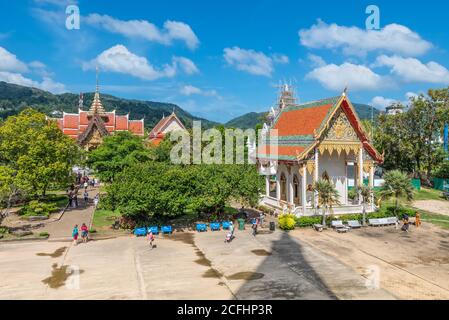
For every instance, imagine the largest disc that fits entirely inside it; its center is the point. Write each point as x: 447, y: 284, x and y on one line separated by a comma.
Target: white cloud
x: 189, y: 90
x: 9, y: 62
x: 250, y: 61
x: 11, y: 69
x: 46, y: 84
x: 280, y: 58
x: 316, y: 61
x: 413, y: 70
x: 381, y: 103
x: 393, y: 38
x: 172, y: 30
x: 187, y: 65
x: 356, y: 77
x: 119, y: 59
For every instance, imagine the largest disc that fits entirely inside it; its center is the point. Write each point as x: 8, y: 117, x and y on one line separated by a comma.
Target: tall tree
x: 36, y: 152
x: 116, y: 153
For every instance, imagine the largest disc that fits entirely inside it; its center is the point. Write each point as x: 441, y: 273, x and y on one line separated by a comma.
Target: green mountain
x: 251, y: 119
x: 14, y: 98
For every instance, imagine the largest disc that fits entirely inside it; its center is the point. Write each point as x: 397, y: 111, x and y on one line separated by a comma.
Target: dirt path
x: 410, y: 266
x: 62, y: 228
x: 435, y: 206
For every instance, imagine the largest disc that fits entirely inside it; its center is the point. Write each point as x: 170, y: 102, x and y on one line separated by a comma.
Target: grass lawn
x: 427, y: 194
x: 104, y: 218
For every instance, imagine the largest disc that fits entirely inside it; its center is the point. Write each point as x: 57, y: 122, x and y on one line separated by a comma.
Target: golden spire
x: 96, y: 107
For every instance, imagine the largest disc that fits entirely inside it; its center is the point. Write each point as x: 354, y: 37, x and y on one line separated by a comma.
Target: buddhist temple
x: 303, y: 143
x: 164, y: 126
x: 90, y: 127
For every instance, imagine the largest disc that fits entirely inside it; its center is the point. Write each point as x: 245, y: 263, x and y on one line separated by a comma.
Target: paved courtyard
x: 182, y: 266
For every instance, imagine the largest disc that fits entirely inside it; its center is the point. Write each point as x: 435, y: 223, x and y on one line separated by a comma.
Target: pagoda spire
x: 96, y: 107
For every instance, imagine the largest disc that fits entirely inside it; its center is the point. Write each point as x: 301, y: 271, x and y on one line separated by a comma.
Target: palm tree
x: 396, y: 185
x: 365, y: 193
x: 327, y: 196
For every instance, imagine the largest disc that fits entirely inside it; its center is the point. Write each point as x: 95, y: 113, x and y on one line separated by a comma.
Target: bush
x: 3, y: 230
x: 352, y: 193
x: 264, y: 209
x: 36, y: 208
x: 308, y: 221
x: 44, y: 234
x: 287, y: 222
x: 92, y: 230
x: 400, y: 211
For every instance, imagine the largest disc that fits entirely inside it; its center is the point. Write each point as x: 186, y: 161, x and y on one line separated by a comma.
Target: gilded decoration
x: 341, y: 137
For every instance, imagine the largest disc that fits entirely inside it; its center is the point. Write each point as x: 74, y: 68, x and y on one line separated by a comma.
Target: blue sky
x: 221, y: 59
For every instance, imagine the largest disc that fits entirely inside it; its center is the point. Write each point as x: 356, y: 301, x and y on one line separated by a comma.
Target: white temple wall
x: 335, y: 166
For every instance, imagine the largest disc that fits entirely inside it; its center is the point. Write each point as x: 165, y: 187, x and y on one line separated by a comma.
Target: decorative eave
x: 94, y: 121
x: 345, y: 104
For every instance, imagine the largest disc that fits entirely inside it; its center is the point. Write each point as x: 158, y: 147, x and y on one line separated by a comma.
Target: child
x: 150, y: 237
x: 84, y: 232
x: 417, y: 219
x: 96, y: 199
x: 86, y: 196
x: 75, y: 235
x: 228, y: 237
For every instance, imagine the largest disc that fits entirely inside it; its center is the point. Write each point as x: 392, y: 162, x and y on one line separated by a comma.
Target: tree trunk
x: 324, y: 216
x: 363, y: 214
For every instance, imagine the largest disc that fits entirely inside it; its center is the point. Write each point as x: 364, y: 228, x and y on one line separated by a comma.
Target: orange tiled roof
x: 297, y: 128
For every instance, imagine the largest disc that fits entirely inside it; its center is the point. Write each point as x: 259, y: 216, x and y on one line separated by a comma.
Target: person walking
x: 254, y: 227
x: 150, y: 237
x: 86, y: 197
x: 75, y: 197
x: 75, y: 234
x: 405, y: 225
x: 231, y: 229
x: 96, y: 200
x: 84, y: 233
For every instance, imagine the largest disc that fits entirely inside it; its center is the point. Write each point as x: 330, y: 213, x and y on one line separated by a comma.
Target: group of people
x: 406, y: 221
x: 84, y: 234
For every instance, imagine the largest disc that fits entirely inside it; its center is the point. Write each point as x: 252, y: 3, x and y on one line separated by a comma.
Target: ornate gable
x: 341, y: 129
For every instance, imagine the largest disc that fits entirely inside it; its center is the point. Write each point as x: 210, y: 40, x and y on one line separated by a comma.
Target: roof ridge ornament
x: 345, y: 91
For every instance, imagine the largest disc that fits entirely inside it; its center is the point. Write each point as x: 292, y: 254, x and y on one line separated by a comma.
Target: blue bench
x: 166, y: 229
x: 154, y: 230
x: 201, y: 227
x: 226, y: 225
x: 215, y: 226
x: 140, y: 231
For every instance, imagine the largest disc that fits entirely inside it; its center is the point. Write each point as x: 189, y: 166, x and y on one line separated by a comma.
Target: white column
x: 371, y: 184
x: 267, y: 185
x: 278, y: 185
x: 290, y: 187
x: 316, y: 176
x: 303, y: 188
x: 360, y: 175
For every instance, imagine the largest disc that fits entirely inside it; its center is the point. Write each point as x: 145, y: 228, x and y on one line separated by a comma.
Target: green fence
x: 441, y: 184
x: 416, y: 183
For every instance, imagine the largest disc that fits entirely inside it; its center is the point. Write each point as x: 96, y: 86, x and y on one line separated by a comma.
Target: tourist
x: 150, y: 238
x: 75, y: 234
x: 85, y: 183
x: 405, y: 226
x: 231, y: 229
x: 86, y: 197
x: 84, y: 232
x: 261, y: 218
x: 96, y: 200
x: 417, y: 219
x: 75, y: 197
x: 254, y: 227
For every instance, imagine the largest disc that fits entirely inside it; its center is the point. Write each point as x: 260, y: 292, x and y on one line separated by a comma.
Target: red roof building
x: 164, y: 126
x: 89, y: 127
x: 312, y: 141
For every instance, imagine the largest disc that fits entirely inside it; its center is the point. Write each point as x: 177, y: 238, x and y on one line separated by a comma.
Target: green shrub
x: 352, y: 193
x: 264, y: 209
x: 399, y: 212
x: 36, y: 208
x: 287, y: 221
x: 92, y: 230
x: 3, y: 230
x: 44, y: 234
x: 308, y: 221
